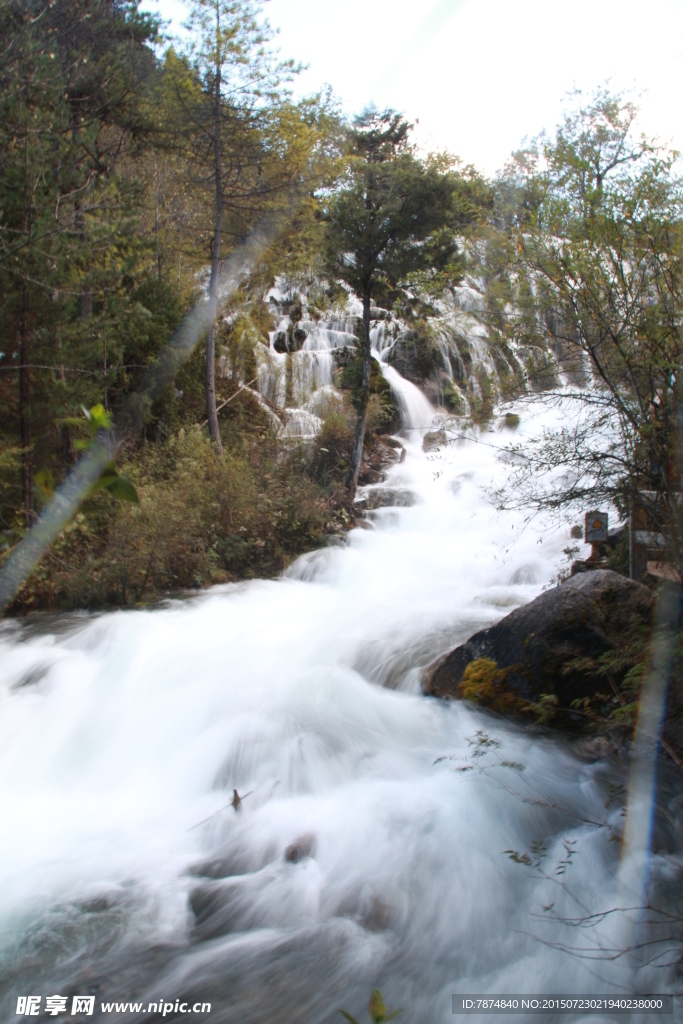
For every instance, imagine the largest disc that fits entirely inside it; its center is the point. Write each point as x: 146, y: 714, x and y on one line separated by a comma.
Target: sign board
x: 596, y: 527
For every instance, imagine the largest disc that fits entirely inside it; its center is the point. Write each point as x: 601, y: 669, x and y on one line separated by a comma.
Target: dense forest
x: 162, y: 208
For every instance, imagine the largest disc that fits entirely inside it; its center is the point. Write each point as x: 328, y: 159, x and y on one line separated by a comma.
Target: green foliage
x: 621, y: 670
x: 95, y: 420
x: 481, y: 400
x: 333, y: 447
x: 454, y: 399
x: 200, y: 519
x: 105, y: 213
x: 351, y: 380
x: 598, y: 277
x: 619, y: 556
x: 545, y: 708
x: 391, y: 217
x: 115, y: 483
x: 243, y: 336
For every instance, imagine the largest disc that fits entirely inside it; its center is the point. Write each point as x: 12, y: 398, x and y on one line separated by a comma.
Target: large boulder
x: 623, y: 602
x: 533, y: 652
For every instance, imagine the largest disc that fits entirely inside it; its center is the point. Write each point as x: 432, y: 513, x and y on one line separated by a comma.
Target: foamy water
x: 370, y: 850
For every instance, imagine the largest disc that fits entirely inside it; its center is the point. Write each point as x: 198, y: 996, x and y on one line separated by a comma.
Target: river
x: 371, y: 843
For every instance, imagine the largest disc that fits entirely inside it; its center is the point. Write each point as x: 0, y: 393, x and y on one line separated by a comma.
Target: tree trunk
x: 25, y: 415
x: 359, y: 437
x: 211, y: 414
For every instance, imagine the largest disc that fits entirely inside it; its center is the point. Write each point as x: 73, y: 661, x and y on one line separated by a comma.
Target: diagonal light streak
x: 71, y: 493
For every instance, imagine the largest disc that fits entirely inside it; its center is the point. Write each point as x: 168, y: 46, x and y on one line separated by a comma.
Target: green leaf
x: 122, y: 488
x: 98, y: 418
x: 44, y: 484
x: 117, y: 484
x: 378, y: 1011
x: 376, y: 1008
x: 347, y: 1016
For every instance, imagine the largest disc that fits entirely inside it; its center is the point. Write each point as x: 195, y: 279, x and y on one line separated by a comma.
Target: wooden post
x: 596, y: 534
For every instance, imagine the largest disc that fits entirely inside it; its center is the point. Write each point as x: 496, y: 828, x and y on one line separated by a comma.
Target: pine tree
x: 388, y: 219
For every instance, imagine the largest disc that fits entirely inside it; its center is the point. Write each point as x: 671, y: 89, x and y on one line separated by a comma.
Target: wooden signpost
x: 596, y: 533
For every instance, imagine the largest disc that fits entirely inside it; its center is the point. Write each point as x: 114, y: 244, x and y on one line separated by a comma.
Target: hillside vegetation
x: 132, y: 176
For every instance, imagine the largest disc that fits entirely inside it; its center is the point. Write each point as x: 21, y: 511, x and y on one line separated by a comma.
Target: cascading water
x: 417, y: 412
x: 372, y: 843
x: 293, y: 380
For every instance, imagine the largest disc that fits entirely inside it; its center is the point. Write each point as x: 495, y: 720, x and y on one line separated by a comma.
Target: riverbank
x: 574, y: 659
x: 204, y: 519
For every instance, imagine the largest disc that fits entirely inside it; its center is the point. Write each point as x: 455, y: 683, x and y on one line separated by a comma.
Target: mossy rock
x: 485, y: 683
x: 454, y: 400
x: 350, y: 376
x: 416, y: 355
x: 433, y: 440
x: 550, y: 650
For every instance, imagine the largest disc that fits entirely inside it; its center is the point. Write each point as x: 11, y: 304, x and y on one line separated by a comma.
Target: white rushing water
x: 371, y: 849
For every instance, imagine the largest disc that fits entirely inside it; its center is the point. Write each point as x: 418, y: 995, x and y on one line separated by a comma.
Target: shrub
x: 201, y: 519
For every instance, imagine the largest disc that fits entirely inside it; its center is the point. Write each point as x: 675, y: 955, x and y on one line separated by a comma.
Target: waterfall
x: 372, y: 843
x: 310, y: 367
x: 417, y: 412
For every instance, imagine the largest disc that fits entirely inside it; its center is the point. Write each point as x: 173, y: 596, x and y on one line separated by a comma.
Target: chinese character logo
x: 83, y: 1004
x: 55, y: 1005
x: 28, y: 1006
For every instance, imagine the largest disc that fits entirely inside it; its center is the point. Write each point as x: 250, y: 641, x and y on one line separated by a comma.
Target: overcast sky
x: 479, y: 75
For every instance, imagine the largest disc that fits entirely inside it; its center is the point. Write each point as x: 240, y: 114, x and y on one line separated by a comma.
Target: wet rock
x: 349, y: 377
x: 280, y: 342
x: 215, y: 908
x: 301, y: 848
x: 433, y: 440
x: 297, y: 338
x: 228, y: 863
x: 388, y: 497
x: 623, y: 603
x: 392, y: 442
x: 377, y: 455
x: 416, y: 355
x: 531, y: 645
x: 32, y: 678
x: 529, y: 653
x: 205, y: 900
x: 97, y: 905
x: 377, y: 916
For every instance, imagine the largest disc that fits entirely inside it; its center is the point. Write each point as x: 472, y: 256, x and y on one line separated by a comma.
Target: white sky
x: 480, y: 75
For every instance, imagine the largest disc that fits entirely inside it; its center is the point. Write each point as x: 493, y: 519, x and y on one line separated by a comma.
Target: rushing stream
x: 370, y: 845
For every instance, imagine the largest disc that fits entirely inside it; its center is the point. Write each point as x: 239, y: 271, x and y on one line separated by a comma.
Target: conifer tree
x: 388, y: 219
x: 228, y: 95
